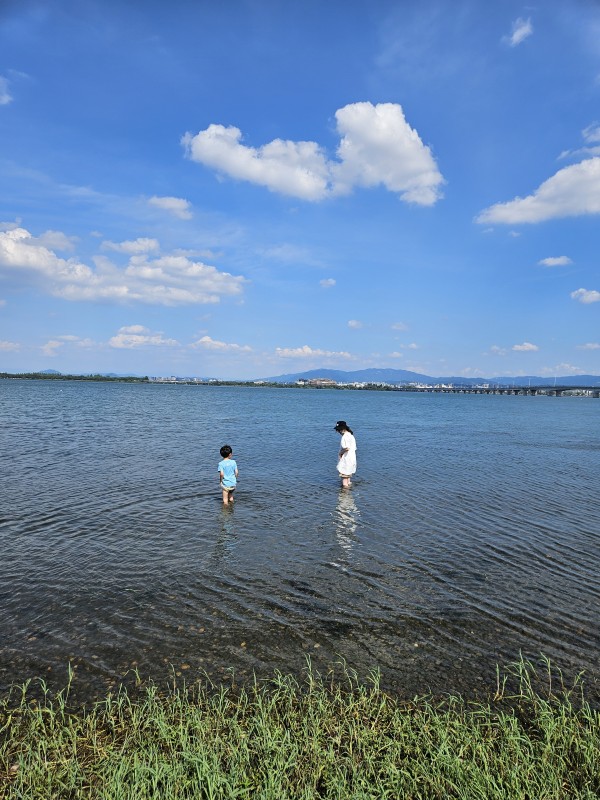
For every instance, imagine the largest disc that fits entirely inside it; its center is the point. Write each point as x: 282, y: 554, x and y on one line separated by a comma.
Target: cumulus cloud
x: 132, y: 336
x: 173, y: 205
x: 399, y: 326
x: 8, y: 347
x: 586, y: 296
x: 168, y: 280
x: 355, y: 324
x: 526, y: 347
x: 213, y: 344
x: 497, y: 351
x: 327, y: 283
x: 5, y: 95
x: 309, y: 352
x: 557, y: 261
x: 571, y: 192
x: 380, y: 148
x: 377, y: 148
x: 521, y: 29
x: 52, y: 347
x: 589, y: 346
x: 396, y: 354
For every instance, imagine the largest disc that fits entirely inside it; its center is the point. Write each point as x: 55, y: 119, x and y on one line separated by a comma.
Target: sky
x: 252, y: 188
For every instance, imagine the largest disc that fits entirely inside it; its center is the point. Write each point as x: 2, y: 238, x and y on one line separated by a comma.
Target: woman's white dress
x: 347, y: 463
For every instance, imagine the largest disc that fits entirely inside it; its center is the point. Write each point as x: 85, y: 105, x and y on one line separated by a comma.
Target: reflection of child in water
x: 228, y: 473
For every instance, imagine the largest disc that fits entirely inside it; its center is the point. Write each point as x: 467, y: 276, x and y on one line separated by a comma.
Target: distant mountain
x: 405, y: 376
x: 360, y: 376
x: 49, y: 372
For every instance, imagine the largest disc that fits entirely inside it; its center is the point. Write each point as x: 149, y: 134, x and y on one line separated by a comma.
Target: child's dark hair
x: 225, y: 451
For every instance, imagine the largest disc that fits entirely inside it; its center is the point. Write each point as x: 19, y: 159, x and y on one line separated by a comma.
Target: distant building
x: 322, y: 383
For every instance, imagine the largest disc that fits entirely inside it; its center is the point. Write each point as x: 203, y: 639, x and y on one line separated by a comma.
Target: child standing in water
x: 346, y: 465
x: 228, y: 473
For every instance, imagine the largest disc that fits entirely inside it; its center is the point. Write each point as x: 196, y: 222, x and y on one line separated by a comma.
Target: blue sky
x: 245, y: 189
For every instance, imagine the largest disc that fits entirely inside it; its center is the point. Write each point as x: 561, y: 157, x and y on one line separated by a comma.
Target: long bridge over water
x: 528, y: 391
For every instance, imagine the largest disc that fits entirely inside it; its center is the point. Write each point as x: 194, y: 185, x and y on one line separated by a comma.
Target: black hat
x: 340, y: 425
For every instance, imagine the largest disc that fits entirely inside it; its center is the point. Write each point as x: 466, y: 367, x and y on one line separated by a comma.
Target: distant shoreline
x: 485, y: 389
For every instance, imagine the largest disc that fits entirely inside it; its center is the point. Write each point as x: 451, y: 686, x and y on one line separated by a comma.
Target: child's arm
x: 221, y: 476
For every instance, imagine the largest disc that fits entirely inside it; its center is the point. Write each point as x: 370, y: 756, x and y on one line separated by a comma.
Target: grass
x: 314, y: 738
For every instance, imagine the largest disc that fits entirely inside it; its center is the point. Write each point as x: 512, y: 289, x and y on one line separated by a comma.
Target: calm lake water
x: 471, y: 533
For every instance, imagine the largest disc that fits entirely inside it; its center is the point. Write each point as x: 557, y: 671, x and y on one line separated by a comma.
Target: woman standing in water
x: 346, y: 465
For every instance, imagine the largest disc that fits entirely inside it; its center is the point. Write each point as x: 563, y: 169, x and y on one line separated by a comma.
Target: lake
x: 471, y: 534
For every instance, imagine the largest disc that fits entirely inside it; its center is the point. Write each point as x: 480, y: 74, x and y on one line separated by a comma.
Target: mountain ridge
x: 389, y: 375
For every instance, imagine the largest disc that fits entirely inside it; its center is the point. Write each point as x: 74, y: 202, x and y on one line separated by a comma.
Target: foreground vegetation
x: 310, y: 739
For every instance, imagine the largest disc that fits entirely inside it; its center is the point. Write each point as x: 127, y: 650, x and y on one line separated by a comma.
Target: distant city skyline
x: 250, y: 189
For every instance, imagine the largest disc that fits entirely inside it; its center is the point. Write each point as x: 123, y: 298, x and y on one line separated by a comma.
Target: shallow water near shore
x: 471, y: 533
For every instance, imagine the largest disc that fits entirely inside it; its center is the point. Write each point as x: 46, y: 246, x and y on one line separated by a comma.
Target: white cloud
x: 174, y: 205
x: 327, y: 283
x: 396, y: 354
x: 7, y: 347
x: 5, y: 95
x: 76, y: 340
x: 380, y: 148
x: 289, y: 253
x: 580, y: 152
x: 591, y: 136
x: 571, y: 192
x: 19, y: 249
x: 133, y: 247
x: 132, y: 336
x: 52, y: 347
x: 589, y: 346
x: 399, y: 326
x: 56, y: 240
x: 521, y: 29
x: 298, y: 169
x: 308, y: 352
x: 167, y: 280
x: 212, y: 344
x: 562, y: 369
x: 355, y: 324
x: 591, y: 133
x: 411, y: 346
x: 497, y: 351
x: 526, y: 347
x: 586, y: 296
x: 377, y: 147
x: 558, y: 261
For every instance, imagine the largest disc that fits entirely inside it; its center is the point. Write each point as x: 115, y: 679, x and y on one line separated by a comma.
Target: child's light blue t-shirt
x: 228, y: 468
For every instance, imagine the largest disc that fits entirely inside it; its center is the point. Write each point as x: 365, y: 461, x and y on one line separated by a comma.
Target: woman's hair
x: 225, y: 451
x: 341, y: 425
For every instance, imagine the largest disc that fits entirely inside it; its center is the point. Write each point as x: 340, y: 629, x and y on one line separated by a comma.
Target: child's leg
x: 231, y: 495
x: 225, y: 497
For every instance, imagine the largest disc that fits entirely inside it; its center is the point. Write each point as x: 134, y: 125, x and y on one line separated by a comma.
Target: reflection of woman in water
x: 346, y: 518
x: 346, y: 465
